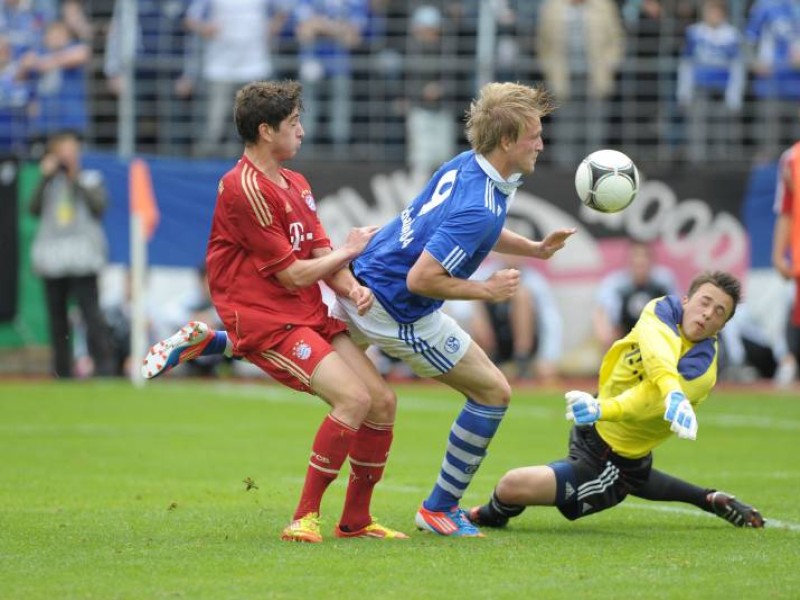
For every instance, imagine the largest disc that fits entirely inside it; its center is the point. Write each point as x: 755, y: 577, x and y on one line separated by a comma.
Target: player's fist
x: 503, y: 284
x: 362, y: 297
x: 582, y: 408
x: 680, y: 414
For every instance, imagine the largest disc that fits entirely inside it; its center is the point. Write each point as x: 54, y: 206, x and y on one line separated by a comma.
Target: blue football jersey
x: 457, y: 219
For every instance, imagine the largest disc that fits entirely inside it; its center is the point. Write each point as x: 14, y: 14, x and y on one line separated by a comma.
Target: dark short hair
x: 267, y: 102
x: 724, y: 281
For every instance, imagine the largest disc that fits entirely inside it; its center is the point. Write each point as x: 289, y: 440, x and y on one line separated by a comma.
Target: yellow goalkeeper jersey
x: 638, y: 372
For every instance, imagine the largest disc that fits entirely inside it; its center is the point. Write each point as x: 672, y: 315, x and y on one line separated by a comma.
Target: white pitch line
x: 769, y: 523
x: 415, y: 403
x: 750, y: 422
x: 405, y: 401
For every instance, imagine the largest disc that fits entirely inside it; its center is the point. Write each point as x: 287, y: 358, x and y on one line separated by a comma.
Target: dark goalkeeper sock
x: 663, y: 487
x: 496, y: 514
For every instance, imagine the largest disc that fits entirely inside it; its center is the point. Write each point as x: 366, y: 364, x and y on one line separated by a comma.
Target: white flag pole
x: 138, y: 293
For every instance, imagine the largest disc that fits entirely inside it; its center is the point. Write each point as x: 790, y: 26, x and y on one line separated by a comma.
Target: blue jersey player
x: 426, y: 256
x: 651, y: 382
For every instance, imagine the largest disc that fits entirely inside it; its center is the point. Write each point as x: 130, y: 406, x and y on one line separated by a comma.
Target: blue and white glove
x: 680, y: 414
x: 582, y: 408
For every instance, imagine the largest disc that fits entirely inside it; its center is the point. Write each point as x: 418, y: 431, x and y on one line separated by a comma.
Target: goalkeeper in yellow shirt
x: 651, y: 382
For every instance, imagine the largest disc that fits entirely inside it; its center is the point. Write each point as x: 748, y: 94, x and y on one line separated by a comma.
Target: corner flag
x: 142, y: 199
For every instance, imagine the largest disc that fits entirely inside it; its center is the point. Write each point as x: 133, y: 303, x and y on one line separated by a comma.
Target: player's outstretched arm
x: 513, y: 243
x: 429, y: 278
x: 303, y: 273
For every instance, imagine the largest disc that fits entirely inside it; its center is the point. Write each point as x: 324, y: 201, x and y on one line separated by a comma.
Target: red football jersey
x: 259, y: 229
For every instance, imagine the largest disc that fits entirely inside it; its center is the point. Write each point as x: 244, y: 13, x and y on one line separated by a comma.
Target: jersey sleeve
x: 640, y: 402
x: 257, y: 219
x: 321, y: 239
x: 459, y: 236
x: 660, y: 344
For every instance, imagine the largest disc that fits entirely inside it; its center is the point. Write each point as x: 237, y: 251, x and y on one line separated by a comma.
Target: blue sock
x: 216, y: 345
x: 469, y: 437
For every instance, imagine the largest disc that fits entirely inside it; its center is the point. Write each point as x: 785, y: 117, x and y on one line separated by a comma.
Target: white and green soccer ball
x: 607, y: 181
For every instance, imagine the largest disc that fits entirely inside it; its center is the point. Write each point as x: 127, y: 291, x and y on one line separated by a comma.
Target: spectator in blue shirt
x: 711, y: 84
x: 773, y: 30
x: 159, y: 63
x: 58, y: 74
x: 13, y: 101
x: 327, y: 31
x: 24, y: 25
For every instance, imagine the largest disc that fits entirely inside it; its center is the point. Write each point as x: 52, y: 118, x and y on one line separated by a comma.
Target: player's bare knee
x: 384, y: 406
x: 356, y: 402
x: 510, y: 484
x: 499, y: 394
x: 494, y: 391
x: 504, y: 391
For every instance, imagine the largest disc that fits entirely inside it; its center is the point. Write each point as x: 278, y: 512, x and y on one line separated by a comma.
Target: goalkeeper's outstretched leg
x: 663, y: 487
x: 593, y: 478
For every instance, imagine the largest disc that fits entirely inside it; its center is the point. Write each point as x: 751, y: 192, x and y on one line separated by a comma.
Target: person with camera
x: 70, y: 249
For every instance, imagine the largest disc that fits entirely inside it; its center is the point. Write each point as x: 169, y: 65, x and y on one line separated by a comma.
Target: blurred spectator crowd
x: 696, y: 80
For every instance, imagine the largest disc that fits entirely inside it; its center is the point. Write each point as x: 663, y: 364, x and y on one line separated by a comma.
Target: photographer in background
x: 70, y: 249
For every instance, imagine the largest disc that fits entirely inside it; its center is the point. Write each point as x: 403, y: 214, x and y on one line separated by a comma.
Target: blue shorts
x: 593, y: 478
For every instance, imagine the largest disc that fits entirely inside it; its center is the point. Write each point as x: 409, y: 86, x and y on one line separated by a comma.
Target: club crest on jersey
x: 309, y: 200
x: 302, y: 350
x: 452, y: 344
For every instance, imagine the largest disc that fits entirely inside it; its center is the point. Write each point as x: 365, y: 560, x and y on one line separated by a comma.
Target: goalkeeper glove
x: 582, y: 408
x: 680, y: 414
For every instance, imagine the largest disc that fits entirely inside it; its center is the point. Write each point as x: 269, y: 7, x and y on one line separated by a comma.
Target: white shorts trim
x: 431, y: 346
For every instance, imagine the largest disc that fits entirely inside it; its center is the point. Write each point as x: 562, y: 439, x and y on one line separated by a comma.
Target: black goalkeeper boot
x: 735, y: 512
x: 494, y: 513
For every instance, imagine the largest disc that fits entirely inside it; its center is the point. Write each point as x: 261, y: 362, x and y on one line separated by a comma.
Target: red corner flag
x: 142, y: 199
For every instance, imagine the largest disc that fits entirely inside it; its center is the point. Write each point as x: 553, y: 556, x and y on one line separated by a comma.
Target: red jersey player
x: 786, y: 242
x: 267, y: 251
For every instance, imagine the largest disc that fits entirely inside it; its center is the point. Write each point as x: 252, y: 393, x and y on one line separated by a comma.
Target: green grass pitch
x: 109, y: 492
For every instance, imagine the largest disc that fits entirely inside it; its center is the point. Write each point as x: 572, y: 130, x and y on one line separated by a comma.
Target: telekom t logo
x: 296, y: 234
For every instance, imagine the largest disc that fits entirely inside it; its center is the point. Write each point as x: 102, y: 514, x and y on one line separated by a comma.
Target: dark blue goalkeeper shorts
x: 592, y: 477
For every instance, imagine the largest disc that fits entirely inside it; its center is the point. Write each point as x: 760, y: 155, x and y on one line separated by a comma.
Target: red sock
x: 368, y: 456
x: 328, y: 452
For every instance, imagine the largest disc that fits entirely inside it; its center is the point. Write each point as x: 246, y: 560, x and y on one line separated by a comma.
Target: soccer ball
x: 607, y: 181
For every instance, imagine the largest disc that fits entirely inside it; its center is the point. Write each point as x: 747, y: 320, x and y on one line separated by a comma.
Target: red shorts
x: 293, y: 360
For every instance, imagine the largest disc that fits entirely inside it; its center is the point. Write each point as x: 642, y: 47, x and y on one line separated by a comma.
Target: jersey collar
x: 506, y: 186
